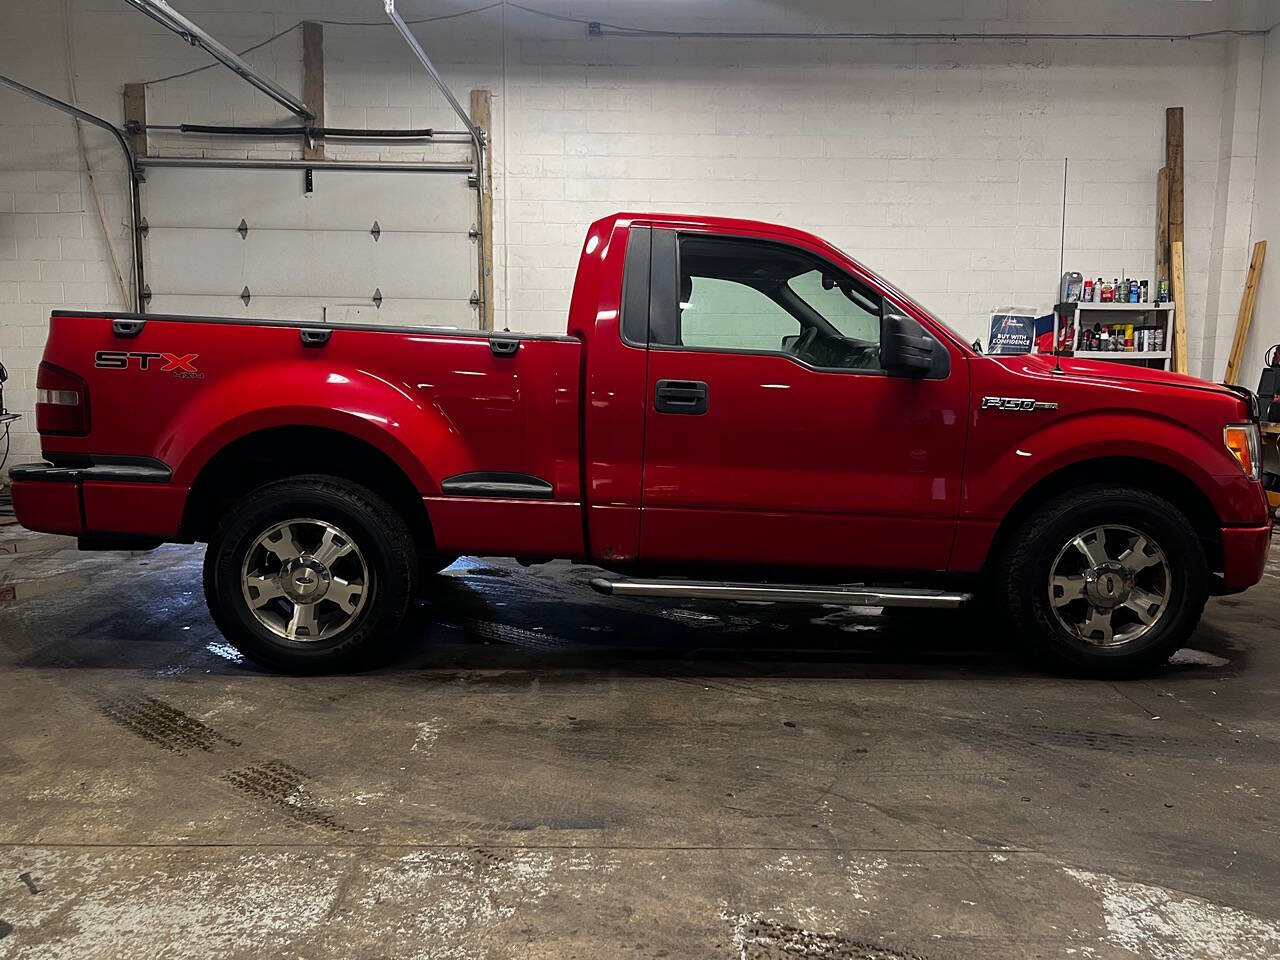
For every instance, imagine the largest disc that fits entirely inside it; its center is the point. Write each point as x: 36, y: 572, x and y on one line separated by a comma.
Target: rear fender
x: 356, y: 403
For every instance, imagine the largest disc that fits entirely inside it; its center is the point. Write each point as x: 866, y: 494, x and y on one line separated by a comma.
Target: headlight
x: 1244, y: 440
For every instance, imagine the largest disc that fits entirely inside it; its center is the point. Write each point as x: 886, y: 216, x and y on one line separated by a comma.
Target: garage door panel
x: 341, y: 200
x: 303, y: 257
x: 295, y: 263
x: 393, y: 312
x: 398, y: 201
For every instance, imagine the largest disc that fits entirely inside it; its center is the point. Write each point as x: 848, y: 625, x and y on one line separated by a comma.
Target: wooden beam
x: 482, y: 117
x: 1173, y: 162
x: 135, y: 111
x: 313, y: 83
x: 1245, y: 318
x: 1162, y: 228
x: 1177, y: 281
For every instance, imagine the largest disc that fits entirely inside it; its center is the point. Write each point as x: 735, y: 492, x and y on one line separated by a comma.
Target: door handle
x: 681, y: 396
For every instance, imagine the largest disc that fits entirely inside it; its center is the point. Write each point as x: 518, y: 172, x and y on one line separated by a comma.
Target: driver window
x: 756, y: 296
x: 727, y: 313
x: 850, y: 311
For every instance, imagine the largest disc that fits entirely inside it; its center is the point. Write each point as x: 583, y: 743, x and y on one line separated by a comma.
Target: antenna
x: 1062, y: 261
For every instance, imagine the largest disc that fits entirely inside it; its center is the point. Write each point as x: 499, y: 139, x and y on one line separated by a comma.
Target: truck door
x: 772, y: 435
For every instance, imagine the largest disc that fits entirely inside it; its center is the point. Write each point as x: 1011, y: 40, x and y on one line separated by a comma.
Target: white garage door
x: 314, y: 256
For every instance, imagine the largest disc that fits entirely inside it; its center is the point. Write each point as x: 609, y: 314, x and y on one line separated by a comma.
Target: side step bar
x: 850, y: 596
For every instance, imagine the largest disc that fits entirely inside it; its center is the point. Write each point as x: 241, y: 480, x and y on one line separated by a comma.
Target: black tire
x: 386, y: 550
x: 1022, y: 581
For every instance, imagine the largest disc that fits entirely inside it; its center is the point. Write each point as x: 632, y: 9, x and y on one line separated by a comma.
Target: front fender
x: 999, y: 473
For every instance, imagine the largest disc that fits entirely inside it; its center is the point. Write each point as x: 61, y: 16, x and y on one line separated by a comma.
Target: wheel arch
x: 1150, y: 475
x: 273, y: 453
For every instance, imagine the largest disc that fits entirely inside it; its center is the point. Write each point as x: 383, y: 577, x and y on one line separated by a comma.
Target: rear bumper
x: 126, y: 500
x: 1244, y: 556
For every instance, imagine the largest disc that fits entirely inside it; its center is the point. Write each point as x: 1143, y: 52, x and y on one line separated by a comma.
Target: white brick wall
x: 938, y: 164
x: 1229, y: 248
x: 1265, y: 329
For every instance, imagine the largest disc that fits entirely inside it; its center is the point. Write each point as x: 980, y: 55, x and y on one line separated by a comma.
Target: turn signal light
x: 1245, y: 443
x: 62, y: 402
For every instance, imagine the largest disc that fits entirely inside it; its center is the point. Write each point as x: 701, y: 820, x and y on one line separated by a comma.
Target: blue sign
x: 1011, y: 333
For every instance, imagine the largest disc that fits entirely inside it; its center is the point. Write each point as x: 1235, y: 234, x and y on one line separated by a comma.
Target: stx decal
x: 180, y: 366
x: 1018, y: 404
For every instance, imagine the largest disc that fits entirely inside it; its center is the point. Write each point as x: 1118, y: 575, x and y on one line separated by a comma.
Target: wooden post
x: 135, y: 111
x: 1162, y: 228
x: 1177, y: 281
x: 1245, y: 318
x: 1173, y: 163
x: 1177, y: 263
x: 482, y: 117
x: 313, y: 84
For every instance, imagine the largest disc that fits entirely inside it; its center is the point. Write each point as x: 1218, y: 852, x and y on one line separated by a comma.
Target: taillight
x: 62, y: 401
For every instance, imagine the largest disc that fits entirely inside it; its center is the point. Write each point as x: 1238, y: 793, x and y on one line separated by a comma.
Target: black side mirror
x: 906, y: 349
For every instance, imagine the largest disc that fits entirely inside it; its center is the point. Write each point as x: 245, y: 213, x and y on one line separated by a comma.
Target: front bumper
x: 1244, y: 556
x: 102, y: 500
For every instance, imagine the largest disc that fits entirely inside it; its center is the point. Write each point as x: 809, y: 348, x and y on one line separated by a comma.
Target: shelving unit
x: 1111, y: 313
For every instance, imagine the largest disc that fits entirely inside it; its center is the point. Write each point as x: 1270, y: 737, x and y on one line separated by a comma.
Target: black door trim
x: 505, y: 486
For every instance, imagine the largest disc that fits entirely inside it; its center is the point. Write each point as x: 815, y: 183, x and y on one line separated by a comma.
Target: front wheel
x: 310, y: 574
x: 1107, y: 580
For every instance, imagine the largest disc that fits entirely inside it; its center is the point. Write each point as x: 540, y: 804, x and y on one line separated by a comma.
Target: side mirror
x: 906, y: 349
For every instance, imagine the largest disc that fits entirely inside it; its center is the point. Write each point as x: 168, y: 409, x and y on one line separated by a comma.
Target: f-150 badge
x: 1018, y: 404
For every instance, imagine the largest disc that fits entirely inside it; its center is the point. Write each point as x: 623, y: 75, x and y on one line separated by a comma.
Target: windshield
x: 898, y: 296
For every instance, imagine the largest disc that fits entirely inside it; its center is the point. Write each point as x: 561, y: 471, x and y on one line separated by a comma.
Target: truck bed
x: 495, y: 415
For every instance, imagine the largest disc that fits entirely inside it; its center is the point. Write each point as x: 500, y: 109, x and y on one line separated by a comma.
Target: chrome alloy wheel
x: 1109, y: 585
x: 305, y: 579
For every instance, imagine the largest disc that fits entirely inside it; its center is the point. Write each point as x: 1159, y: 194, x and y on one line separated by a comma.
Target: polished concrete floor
x: 548, y: 774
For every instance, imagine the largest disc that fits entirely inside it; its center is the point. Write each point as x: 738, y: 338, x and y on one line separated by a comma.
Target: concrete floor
x: 546, y: 773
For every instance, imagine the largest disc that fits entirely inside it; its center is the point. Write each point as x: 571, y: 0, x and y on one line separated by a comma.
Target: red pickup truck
x: 738, y: 410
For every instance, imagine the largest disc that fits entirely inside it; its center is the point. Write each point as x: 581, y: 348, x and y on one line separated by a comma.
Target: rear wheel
x: 1108, y: 580
x: 310, y: 574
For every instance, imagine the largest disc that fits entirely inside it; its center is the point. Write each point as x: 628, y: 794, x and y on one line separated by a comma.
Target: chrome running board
x: 849, y: 596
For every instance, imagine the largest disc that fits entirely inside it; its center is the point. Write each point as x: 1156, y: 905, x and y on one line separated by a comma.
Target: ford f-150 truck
x: 737, y: 410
